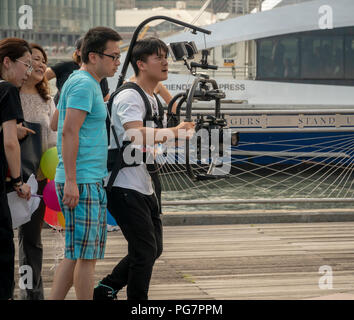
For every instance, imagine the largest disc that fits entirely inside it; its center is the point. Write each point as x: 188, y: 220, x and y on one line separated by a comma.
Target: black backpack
x: 115, y: 160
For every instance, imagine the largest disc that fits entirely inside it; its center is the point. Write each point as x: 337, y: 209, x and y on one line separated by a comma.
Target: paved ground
x: 244, y: 261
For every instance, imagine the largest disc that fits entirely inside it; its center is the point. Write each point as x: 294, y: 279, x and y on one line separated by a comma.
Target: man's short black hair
x: 145, y: 48
x: 95, y: 40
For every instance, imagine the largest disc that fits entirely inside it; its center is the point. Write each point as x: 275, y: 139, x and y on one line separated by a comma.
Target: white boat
x: 288, y: 74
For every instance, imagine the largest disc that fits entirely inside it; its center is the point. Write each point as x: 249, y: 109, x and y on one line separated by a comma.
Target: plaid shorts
x: 85, y: 225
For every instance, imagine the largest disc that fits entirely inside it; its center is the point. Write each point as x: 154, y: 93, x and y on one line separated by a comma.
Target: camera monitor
x: 182, y: 50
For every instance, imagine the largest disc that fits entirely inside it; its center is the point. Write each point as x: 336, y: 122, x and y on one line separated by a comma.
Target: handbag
x: 31, y: 150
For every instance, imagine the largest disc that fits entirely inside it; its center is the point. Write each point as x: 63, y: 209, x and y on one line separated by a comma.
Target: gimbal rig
x: 202, y: 89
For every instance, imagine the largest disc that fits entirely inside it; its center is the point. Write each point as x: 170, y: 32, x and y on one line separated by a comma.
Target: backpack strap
x: 127, y: 85
x: 160, y: 112
x: 109, y: 125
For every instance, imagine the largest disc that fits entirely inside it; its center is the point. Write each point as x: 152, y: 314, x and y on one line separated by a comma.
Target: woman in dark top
x: 15, y: 66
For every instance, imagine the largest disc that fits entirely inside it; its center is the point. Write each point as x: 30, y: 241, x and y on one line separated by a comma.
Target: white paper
x: 21, y: 209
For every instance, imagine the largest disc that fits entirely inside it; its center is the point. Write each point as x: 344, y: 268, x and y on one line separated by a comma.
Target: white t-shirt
x: 129, y: 106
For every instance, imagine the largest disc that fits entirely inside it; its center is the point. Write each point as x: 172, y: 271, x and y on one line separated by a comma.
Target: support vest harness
x: 115, y: 160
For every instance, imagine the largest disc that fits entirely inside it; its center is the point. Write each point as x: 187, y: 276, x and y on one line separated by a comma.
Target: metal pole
x: 135, y: 36
x: 190, y: 98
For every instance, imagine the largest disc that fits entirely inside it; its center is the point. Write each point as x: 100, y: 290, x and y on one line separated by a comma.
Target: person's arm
x: 106, y: 98
x: 54, y: 121
x: 141, y: 135
x: 50, y: 74
x: 129, y: 107
x: 165, y: 95
x: 70, y: 145
x: 13, y: 156
x: 12, y: 148
x: 22, y: 131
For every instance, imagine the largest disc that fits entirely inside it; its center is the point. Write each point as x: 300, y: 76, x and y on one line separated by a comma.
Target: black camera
x: 182, y: 50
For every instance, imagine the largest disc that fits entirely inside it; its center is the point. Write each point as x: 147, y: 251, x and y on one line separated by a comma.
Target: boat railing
x: 239, y: 73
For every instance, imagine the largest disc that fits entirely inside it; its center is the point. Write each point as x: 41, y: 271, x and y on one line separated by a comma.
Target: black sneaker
x: 104, y: 292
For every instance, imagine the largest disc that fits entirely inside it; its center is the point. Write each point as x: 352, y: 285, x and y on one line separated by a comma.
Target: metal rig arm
x: 135, y: 36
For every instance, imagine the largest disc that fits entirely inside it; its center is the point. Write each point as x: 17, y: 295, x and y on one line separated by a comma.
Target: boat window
x: 229, y: 51
x: 278, y: 58
x: 322, y: 57
x: 349, y: 57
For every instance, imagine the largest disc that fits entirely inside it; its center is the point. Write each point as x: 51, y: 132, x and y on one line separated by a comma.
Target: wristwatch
x: 16, y: 182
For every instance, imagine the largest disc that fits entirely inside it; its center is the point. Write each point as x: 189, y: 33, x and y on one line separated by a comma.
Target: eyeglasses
x: 114, y: 58
x: 29, y: 67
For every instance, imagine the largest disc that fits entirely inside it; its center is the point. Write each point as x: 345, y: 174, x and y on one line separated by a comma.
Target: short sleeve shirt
x: 81, y: 91
x: 129, y: 106
x: 63, y: 70
x: 10, y: 109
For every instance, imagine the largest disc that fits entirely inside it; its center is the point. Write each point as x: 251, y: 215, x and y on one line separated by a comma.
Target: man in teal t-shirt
x: 83, y: 92
x: 82, y: 150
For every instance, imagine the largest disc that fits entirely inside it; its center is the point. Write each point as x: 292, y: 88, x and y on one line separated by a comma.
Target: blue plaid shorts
x: 85, y: 225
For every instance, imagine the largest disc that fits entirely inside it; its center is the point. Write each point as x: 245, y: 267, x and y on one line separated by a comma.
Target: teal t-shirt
x: 81, y: 91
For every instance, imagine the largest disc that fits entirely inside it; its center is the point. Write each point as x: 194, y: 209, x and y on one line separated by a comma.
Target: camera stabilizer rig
x: 203, y: 166
x: 185, y: 51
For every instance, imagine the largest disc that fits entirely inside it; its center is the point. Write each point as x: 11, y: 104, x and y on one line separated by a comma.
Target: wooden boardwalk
x: 269, y: 261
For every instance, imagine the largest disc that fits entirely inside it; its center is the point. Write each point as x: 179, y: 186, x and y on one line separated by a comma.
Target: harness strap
x: 119, y: 161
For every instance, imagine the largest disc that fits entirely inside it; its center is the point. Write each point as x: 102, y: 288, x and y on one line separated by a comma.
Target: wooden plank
x: 269, y: 261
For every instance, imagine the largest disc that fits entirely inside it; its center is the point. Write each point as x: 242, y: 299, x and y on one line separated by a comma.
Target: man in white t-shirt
x: 132, y: 201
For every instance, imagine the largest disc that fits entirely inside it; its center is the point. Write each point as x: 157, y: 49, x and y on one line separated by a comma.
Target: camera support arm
x: 135, y: 36
x: 214, y: 94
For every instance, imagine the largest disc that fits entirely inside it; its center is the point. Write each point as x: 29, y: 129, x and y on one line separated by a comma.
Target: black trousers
x: 7, y: 250
x: 31, y: 249
x: 138, y: 216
